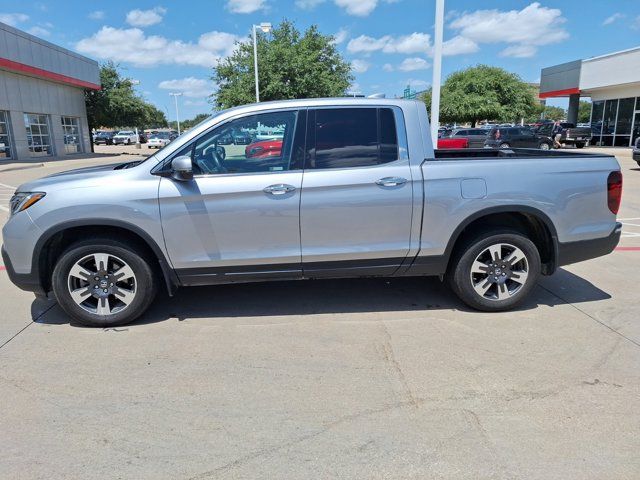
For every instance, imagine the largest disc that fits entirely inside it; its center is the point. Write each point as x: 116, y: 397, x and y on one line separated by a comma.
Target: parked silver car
x: 350, y: 188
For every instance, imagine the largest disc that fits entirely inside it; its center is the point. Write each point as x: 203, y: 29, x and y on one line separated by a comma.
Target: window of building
x: 354, y: 137
x: 71, y: 131
x: 38, y: 135
x: 5, y: 136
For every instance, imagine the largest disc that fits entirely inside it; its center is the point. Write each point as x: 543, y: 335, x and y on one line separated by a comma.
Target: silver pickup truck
x: 321, y: 188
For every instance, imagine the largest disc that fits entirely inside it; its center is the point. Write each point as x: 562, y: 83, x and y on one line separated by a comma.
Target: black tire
x: 544, y: 146
x: 459, y: 275
x: 145, y: 286
x: 504, y: 145
x: 579, y: 145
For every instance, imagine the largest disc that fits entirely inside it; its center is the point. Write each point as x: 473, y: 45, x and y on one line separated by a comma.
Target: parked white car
x: 125, y: 137
x: 159, y: 140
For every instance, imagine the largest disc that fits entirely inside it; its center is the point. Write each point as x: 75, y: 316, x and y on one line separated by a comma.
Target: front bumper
x: 574, y: 252
x: 24, y: 281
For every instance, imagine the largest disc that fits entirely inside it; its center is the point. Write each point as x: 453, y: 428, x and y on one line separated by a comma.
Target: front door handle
x: 279, y: 189
x: 391, y: 181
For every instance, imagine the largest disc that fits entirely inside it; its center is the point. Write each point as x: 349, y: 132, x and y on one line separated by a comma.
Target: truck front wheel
x: 495, y: 271
x: 102, y: 282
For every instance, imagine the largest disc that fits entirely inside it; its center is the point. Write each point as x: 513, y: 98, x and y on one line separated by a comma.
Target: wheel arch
x: 530, y: 220
x: 52, y: 243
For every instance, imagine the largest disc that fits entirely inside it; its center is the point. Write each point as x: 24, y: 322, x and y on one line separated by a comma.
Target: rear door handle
x: 279, y: 189
x: 391, y: 181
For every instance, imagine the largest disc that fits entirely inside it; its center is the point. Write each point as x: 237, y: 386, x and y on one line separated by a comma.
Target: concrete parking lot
x: 375, y: 379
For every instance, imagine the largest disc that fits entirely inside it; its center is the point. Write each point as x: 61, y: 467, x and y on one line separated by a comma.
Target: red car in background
x: 264, y: 148
x: 450, y: 143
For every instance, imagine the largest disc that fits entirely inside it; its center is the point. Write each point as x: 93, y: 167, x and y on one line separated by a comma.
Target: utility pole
x: 175, y: 97
x: 437, y: 71
x: 266, y: 28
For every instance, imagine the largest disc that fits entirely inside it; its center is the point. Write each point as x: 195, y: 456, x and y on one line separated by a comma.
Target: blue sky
x: 172, y: 46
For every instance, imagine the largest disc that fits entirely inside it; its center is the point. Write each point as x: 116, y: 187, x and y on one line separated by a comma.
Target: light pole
x: 175, y: 97
x: 266, y: 28
x: 437, y: 71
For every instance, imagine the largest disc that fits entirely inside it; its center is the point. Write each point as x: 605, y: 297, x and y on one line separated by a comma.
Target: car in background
x: 475, y: 136
x: 517, y: 137
x: 103, y: 138
x: 242, y: 138
x: 636, y: 151
x: 264, y: 148
x: 159, y: 140
x: 447, y: 143
x: 125, y: 137
x: 571, y: 135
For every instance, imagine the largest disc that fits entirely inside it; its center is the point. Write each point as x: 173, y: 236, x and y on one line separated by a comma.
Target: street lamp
x: 175, y: 97
x: 266, y: 28
x: 437, y: 71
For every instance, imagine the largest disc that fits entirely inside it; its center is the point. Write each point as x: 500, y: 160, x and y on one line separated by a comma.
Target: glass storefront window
x: 5, y: 136
x: 625, y: 115
x: 636, y: 129
x: 597, y: 111
x: 609, y: 119
x: 38, y: 137
x: 71, y: 131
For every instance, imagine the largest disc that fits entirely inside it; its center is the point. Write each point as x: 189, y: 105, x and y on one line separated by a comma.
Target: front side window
x: 38, y: 136
x: 256, y: 143
x: 354, y: 137
x: 5, y: 139
x: 71, y: 131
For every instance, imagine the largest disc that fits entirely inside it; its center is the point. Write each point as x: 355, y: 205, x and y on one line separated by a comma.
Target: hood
x: 83, y: 177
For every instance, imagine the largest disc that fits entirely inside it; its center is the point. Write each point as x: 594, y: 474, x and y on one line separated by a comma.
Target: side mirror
x: 181, y: 168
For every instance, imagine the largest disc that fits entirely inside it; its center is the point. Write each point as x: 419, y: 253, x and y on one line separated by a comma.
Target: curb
x: 25, y: 167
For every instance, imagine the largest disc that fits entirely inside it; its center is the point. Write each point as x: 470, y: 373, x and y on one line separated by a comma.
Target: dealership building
x: 42, y: 107
x: 613, y: 83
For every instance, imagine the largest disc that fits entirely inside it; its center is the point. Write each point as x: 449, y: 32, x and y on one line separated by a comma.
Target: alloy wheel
x: 102, y: 284
x: 499, y: 272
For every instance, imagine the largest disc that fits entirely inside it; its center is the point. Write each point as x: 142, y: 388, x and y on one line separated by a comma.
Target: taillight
x: 614, y: 191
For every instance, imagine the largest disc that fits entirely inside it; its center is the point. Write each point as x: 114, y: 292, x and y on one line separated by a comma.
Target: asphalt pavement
x: 347, y: 379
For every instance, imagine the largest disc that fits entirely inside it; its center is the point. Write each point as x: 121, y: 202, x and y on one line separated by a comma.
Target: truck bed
x: 492, y: 153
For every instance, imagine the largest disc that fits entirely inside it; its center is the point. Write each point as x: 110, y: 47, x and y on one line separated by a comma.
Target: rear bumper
x: 24, y: 281
x: 574, y: 252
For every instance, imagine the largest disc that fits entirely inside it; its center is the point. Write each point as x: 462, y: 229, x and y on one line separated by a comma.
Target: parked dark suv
x: 636, y: 151
x: 104, y: 138
x: 517, y: 137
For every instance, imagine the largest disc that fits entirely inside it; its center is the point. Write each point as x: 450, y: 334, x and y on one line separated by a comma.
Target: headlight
x: 23, y: 200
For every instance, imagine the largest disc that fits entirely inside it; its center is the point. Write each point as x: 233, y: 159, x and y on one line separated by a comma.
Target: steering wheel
x: 211, y: 159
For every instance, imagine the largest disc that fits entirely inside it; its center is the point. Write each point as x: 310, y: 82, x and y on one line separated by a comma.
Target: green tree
x: 547, y: 112
x: 584, y: 112
x: 117, y: 103
x: 483, y: 92
x: 184, y: 125
x: 290, y: 65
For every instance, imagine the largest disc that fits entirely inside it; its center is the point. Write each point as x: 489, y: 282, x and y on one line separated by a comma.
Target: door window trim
x: 164, y: 167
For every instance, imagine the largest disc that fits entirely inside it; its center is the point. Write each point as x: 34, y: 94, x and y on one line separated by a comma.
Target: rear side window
x: 354, y: 137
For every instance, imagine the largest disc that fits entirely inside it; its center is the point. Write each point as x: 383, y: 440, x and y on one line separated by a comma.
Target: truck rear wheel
x: 102, y: 282
x: 580, y: 145
x: 495, y: 270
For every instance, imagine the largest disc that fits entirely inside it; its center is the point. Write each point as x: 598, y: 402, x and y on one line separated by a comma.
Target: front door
x: 238, y: 219
x: 357, y: 193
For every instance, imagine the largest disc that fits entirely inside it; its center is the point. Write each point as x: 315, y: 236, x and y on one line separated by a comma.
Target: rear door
x: 357, y: 192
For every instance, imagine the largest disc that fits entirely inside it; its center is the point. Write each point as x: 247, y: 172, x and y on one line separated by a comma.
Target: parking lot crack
x: 390, y: 358
x: 631, y: 340
x: 16, y: 334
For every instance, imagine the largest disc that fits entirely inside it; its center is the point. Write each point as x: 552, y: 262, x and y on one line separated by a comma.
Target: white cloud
x: 413, y: 63
x: 39, y: 31
x: 636, y: 23
x: 612, y: 18
x: 417, y: 84
x: 407, y: 44
x: 459, y: 45
x: 133, y: 46
x: 190, y: 86
x: 308, y: 4
x: 145, y: 18
x: 533, y: 26
x: 97, y: 15
x: 519, y: 51
x: 245, y: 6
x: 358, y: 8
x: 340, y: 36
x: 13, y: 19
x: 387, y: 67
x: 360, y: 66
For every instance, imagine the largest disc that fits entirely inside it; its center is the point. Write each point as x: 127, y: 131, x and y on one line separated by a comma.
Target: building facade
x: 42, y: 106
x: 613, y: 83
